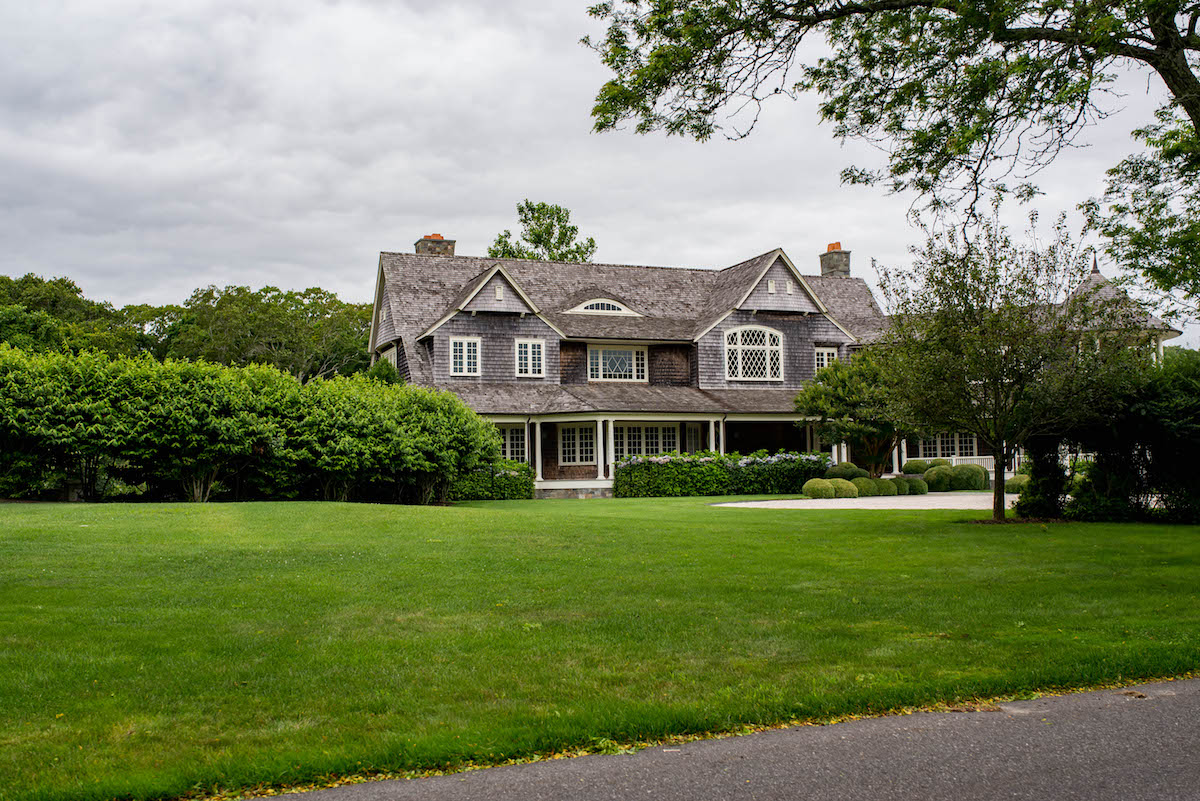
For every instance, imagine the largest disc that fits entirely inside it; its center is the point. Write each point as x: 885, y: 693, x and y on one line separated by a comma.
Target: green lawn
x: 154, y: 650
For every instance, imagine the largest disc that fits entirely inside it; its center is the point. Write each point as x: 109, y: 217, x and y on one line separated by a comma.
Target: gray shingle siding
x: 800, y: 334
x: 761, y: 298
x: 670, y: 365
x: 498, y: 333
x: 486, y: 299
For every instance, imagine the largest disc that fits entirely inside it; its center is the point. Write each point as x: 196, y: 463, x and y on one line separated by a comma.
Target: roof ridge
x: 566, y: 263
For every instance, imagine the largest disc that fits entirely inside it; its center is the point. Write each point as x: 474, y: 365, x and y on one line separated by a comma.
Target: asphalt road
x: 1120, y: 745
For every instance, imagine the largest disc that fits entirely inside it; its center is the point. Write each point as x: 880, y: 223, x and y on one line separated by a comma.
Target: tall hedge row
x: 197, y: 430
x: 677, y: 474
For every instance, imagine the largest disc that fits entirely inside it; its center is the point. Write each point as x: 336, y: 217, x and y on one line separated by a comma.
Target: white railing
x: 988, y: 463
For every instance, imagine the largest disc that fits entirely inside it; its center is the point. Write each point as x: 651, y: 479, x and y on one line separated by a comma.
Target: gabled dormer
x: 781, y: 288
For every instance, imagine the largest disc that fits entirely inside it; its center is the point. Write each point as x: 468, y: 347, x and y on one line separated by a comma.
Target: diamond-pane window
x: 617, y: 364
x: 753, y: 354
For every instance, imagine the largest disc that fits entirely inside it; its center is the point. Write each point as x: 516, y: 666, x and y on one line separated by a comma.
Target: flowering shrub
x: 503, y: 481
x: 710, y: 473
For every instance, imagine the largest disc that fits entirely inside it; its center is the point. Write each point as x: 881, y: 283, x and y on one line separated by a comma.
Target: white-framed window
x: 791, y: 286
x: 389, y: 356
x: 603, y: 306
x: 753, y: 353
x: 943, y: 446
x: 499, y: 291
x: 693, y: 438
x: 577, y: 444
x: 530, y: 358
x: 464, y: 355
x: 640, y: 439
x: 770, y: 286
x: 512, y: 442
x: 616, y: 363
x: 824, y: 356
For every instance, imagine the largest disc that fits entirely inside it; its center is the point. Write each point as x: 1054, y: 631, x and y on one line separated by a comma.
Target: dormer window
x: 753, y: 353
x: 499, y: 291
x: 603, y: 306
x: 770, y: 287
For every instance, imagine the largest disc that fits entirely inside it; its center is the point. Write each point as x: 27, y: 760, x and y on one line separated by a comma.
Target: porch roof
x: 531, y: 399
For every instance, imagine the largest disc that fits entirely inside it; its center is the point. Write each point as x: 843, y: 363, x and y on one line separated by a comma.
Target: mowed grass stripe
x: 149, y: 650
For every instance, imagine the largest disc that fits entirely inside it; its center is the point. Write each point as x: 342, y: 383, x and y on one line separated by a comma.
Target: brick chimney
x: 434, y: 245
x: 835, y: 262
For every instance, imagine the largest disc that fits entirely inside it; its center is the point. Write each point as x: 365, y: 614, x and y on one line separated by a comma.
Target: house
x: 579, y: 365
x: 582, y: 364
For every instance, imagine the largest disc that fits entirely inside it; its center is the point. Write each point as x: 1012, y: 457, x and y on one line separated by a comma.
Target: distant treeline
x: 126, y: 427
x: 305, y: 334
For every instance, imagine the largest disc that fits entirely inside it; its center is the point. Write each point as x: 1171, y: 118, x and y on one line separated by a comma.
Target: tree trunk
x: 1001, y: 465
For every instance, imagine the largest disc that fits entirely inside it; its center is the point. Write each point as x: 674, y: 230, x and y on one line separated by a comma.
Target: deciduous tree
x: 546, y: 234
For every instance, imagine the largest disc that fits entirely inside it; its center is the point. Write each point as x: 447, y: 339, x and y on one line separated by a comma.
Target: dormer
x: 498, y: 295
x: 780, y: 288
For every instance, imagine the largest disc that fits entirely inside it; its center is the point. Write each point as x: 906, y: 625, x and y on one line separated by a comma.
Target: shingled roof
x: 676, y: 303
x: 516, y: 398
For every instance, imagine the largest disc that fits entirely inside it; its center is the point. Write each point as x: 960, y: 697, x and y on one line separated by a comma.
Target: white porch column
x: 610, y: 451
x: 712, y: 435
x: 528, y: 451
x: 896, y: 459
x: 903, y: 451
x: 537, y: 447
x: 723, y: 440
x: 599, y: 448
x: 833, y: 453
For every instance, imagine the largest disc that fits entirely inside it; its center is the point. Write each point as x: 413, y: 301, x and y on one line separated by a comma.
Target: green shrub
x: 1017, y: 484
x: 968, y: 477
x: 846, y: 470
x: 884, y: 486
x: 842, y: 488
x: 503, y: 481
x: 939, y: 463
x: 901, y: 485
x: 710, y: 473
x: 865, y: 486
x: 917, y: 486
x: 817, y: 488
x: 915, y: 467
x: 939, y: 478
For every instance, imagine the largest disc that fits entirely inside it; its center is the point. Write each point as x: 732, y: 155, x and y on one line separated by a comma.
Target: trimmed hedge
x: 968, y: 477
x: 939, y: 463
x: 1017, y: 484
x: 843, y: 488
x: 917, y: 486
x: 846, y: 470
x: 884, y: 486
x: 865, y: 486
x: 709, y: 473
x: 503, y: 481
x: 939, y: 478
x: 817, y: 488
x: 901, y: 485
x: 916, y: 467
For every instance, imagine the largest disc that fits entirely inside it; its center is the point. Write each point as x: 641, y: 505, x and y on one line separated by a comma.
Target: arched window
x: 753, y: 353
x: 603, y: 306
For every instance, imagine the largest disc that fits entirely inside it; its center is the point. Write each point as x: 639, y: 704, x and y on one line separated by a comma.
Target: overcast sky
x: 149, y: 148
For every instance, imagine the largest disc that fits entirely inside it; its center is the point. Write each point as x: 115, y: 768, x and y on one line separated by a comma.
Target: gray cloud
x: 147, y: 149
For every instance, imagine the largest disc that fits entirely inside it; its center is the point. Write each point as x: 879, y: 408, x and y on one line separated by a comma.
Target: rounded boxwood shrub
x: 968, y: 477
x: 915, y: 467
x: 901, y: 485
x: 940, y: 478
x: 843, y: 488
x: 817, y: 488
x: 917, y: 486
x: 885, y: 487
x: 866, y: 487
x: 846, y: 470
x: 939, y: 463
x: 1017, y: 484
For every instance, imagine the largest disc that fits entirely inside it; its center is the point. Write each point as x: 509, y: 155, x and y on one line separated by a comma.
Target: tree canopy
x: 994, y: 339
x: 546, y: 234
x: 851, y: 399
x: 964, y: 96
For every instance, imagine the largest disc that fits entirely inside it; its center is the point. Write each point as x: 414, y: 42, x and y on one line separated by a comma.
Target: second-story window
x: 825, y: 356
x: 531, y: 359
x: 753, y: 354
x: 616, y: 363
x: 464, y: 355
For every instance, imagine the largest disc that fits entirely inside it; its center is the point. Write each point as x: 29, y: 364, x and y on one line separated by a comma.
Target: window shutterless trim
x: 635, y: 350
x: 541, y: 348
x: 466, y: 341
